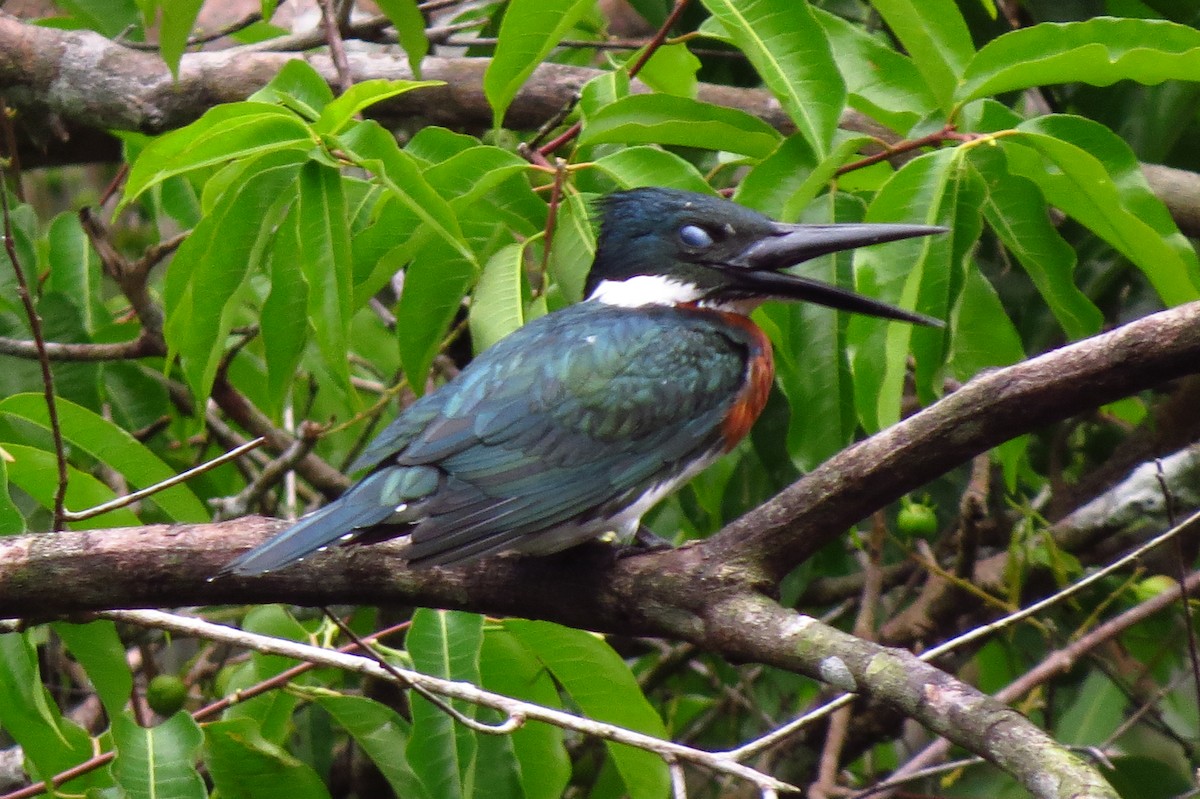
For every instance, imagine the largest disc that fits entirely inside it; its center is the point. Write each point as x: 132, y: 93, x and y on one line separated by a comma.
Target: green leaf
x: 662, y: 119
x: 35, y: 472
x: 671, y: 70
x: 529, y: 31
x: 442, y: 752
x: 378, y: 152
x: 74, y: 267
x: 916, y: 273
x: 511, y: 669
x: 323, y: 229
x: 574, y: 245
x: 11, y: 520
x: 158, y: 763
x: 211, y: 267
x: 1086, y: 170
x: 178, y: 19
x: 935, y: 37
x: 244, y: 765
x: 434, y: 285
x: 112, y: 18
x: 1015, y: 209
x: 469, y: 174
x: 284, y: 318
x: 651, y: 166
x: 299, y: 87
x: 52, y: 744
x: 496, y: 305
x: 98, y: 648
x: 984, y: 336
x: 409, y: 23
x: 224, y: 133
x: 109, y: 444
x: 341, y: 111
x: 882, y: 83
x: 601, y: 684
x: 789, y: 50
x: 383, y: 736
x: 1098, y: 51
x: 784, y: 183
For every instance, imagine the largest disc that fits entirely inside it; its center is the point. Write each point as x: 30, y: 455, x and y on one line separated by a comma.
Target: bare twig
x: 129, y: 499
x: 337, y: 49
x: 183, y: 625
x: 39, y: 341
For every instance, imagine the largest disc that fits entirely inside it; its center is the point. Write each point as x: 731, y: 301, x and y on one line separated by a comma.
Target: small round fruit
x: 166, y: 694
x: 917, y: 521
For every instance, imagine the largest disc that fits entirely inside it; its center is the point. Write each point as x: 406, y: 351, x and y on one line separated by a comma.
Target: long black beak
x: 755, y: 268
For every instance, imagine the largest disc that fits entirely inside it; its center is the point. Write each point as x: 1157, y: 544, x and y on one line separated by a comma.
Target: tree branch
x: 70, y: 86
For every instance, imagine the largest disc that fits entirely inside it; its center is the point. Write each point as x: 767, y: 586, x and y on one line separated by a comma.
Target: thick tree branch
x: 70, y: 86
x: 708, y: 594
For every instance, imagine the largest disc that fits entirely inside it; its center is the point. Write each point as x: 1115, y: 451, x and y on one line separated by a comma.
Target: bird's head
x: 669, y: 247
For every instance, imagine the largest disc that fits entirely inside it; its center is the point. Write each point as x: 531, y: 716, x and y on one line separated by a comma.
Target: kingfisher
x: 577, y: 423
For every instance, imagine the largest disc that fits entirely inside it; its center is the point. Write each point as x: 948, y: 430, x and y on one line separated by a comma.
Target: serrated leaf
x: 158, y: 762
x: 496, y: 305
x: 789, y: 50
x: 936, y: 38
x: 650, y: 166
x: 383, y: 736
x: 529, y: 31
x: 109, y: 444
x: 1097, y: 51
x: 35, y: 472
x: 178, y: 19
x: 601, y: 684
x: 1087, y: 171
x: 98, y: 648
x: 338, y: 113
x: 442, y: 752
x: 662, y: 119
x: 409, y: 23
x: 224, y: 133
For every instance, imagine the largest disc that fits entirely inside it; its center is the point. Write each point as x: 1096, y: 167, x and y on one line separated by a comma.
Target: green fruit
x: 166, y: 694
x: 917, y: 521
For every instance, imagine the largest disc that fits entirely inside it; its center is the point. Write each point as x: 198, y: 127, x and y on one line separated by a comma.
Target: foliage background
x: 281, y: 258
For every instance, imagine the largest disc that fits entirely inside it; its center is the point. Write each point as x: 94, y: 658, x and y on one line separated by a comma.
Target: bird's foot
x: 644, y: 541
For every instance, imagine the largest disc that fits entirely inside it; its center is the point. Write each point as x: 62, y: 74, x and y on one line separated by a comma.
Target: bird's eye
x: 695, y: 236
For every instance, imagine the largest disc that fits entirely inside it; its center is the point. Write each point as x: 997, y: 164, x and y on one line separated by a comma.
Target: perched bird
x: 578, y: 422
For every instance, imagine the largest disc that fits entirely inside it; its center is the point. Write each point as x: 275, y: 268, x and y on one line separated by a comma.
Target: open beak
x: 756, y: 267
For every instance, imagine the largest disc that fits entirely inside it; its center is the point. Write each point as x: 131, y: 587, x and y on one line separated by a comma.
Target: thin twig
x: 129, y: 499
x: 337, y: 49
x: 203, y: 38
x: 35, y: 327
x: 209, y: 710
x: 652, y: 47
x: 182, y: 625
x: 1181, y: 575
x: 272, y: 473
x: 511, y: 722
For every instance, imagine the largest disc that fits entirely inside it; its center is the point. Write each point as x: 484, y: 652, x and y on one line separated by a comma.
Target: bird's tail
x: 339, y: 521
